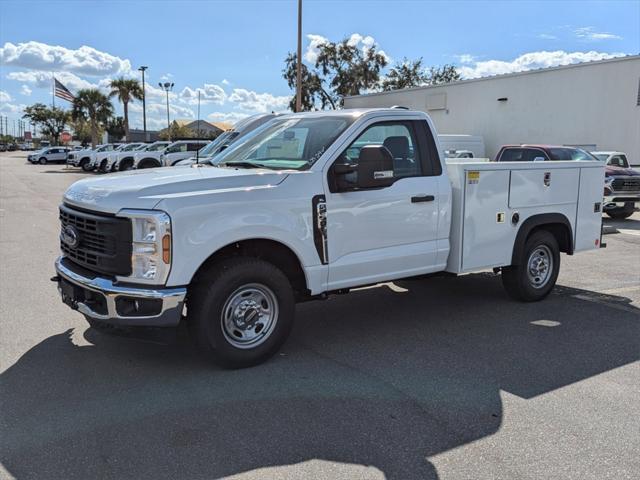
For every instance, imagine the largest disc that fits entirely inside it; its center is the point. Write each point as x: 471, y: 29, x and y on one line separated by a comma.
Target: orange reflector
x: 166, y: 249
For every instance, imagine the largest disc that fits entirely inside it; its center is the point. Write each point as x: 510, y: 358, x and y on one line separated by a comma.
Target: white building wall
x: 585, y: 104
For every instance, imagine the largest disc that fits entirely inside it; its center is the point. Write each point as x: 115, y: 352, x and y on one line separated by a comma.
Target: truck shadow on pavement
x: 376, y: 381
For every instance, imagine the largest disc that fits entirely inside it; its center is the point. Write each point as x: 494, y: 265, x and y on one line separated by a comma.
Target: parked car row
x: 115, y: 157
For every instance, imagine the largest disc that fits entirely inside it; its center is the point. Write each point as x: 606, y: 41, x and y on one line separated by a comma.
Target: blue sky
x: 234, y: 51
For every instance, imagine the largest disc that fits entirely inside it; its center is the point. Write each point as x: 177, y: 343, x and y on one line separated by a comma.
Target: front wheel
x: 536, y: 276
x: 85, y: 165
x: 42, y: 161
x: 240, y: 312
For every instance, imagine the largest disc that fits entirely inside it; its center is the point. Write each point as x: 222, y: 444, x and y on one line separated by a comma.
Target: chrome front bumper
x: 170, y: 300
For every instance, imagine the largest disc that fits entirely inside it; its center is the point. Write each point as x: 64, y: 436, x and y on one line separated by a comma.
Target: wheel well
x: 556, y: 224
x: 84, y: 159
x: 148, y: 163
x: 271, y: 251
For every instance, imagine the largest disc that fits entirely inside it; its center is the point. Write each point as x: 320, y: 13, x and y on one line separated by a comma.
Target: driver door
x: 385, y: 233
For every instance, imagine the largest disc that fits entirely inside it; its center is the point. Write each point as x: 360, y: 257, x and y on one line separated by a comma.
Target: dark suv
x: 621, y: 186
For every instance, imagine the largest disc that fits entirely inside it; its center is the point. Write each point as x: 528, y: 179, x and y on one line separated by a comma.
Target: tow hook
x: 55, y: 278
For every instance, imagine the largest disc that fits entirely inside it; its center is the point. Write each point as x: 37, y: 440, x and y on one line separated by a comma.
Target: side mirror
x: 373, y: 170
x: 375, y: 167
x: 538, y: 159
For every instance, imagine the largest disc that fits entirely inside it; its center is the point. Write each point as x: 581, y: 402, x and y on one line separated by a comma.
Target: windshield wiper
x: 241, y: 164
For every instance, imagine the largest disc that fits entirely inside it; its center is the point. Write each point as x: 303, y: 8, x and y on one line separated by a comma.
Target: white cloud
x: 226, y: 82
x: 4, y: 96
x: 466, y: 58
x: 313, y: 49
x: 258, y: 102
x: 231, y: 117
x: 355, y: 40
x: 531, y: 61
x: 547, y: 36
x: 166, y: 77
x: 210, y: 93
x: 43, y: 80
x: 10, y: 108
x: 25, y: 90
x: 174, y: 110
x: 590, y: 34
x: 41, y: 56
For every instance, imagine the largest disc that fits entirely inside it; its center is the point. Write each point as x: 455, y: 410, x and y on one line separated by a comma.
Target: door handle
x: 422, y: 198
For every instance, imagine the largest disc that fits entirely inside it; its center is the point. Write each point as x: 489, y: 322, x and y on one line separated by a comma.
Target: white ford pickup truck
x: 308, y: 205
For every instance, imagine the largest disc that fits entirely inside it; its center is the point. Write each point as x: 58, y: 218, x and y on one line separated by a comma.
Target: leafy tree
x: 341, y: 69
x: 126, y: 89
x: 313, y: 91
x: 176, y: 131
x: 116, y: 127
x: 82, y: 131
x: 405, y: 74
x: 93, y: 106
x: 51, y: 120
x: 445, y: 74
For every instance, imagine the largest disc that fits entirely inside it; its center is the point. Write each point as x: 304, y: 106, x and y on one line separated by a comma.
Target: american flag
x: 62, y: 92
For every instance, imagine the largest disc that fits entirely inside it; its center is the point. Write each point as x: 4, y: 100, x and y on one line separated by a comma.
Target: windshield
x: 128, y: 148
x: 570, y: 154
x: 601, y: 156
x: 211, y: 148
x: 103, y: 148
x: 154, y: 147
x: 286, y: 143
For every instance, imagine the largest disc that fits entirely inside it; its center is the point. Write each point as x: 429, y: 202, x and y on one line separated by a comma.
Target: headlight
x: 608, y: 180
x: 151, y: 246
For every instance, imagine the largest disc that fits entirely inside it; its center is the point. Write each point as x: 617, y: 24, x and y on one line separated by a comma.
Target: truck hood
x: 613, y: 171
x: 144, y: 189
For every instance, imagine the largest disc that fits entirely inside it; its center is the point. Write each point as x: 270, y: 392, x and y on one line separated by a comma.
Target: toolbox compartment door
x: 543, y: 187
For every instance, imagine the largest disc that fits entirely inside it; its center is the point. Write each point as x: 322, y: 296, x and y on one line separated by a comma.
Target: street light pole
x: 144, y: 106
x: 299, y: 61
x: 167, y: 86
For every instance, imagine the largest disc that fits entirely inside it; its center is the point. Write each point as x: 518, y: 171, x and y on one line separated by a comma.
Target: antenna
x: 198, y: 150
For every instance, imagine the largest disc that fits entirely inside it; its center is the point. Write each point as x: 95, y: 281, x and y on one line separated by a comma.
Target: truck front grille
x: 103, y: 242
x: 626, y: 184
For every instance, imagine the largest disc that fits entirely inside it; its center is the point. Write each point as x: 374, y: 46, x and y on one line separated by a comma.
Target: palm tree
x: 126, y: 89
x: 92, y: 105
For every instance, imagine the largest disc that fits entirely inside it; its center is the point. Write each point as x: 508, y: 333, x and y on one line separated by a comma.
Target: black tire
x: 517, y: 280
x: 148, y: 164
x: 126, y: 165
x: 102, y: 168
x: 42, y: 161
x: 620, y: 213
x: 84, y: 164
x: 224, y: 282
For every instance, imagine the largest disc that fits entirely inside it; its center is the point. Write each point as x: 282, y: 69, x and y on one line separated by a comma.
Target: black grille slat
x: 104, y: 241
x: 630, y: 184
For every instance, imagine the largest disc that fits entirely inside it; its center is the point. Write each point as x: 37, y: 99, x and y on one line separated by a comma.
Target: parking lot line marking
x: 628, y: 231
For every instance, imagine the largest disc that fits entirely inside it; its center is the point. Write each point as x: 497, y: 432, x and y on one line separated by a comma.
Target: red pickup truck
x: 621, y: 184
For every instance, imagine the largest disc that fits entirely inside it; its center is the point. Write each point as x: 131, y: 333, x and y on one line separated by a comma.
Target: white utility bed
x: 487, y: 195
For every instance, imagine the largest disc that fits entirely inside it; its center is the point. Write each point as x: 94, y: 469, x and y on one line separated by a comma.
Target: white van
x: 462, y: 146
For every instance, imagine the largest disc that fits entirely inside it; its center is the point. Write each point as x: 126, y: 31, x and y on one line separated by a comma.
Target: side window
x: 531, y: 154
x: 399, y: 138
x: 192, y: 147
x: 512, y: 155
x: 618, y: 161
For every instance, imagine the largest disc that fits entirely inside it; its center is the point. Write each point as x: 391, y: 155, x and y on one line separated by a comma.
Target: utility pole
x: 144, y: 105
x: 299, y: 61
x: 167, y: 86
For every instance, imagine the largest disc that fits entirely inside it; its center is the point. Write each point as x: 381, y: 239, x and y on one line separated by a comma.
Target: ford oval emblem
x: 70, y: 236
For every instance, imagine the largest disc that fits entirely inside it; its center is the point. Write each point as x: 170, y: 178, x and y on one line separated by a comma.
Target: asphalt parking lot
x: 442, y: 378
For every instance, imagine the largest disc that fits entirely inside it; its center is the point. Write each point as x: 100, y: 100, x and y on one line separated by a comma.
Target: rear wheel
x: 148, y: 164
x: 620, y: 213
x: 241, y: 311
x: 536, y: 275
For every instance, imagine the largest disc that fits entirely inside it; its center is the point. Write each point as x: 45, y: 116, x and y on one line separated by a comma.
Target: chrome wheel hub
x: 249, y: 315
x: 540, y: 266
